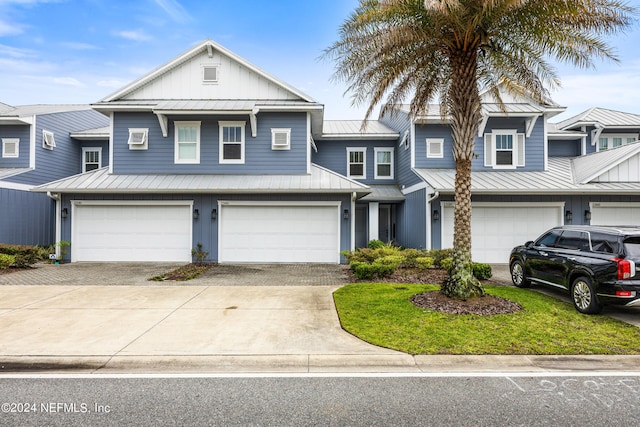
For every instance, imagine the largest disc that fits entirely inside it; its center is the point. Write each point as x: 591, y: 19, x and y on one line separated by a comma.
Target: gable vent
x: 210, y: 74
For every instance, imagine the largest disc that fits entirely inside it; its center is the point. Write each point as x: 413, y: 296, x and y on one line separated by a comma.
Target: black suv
x: 595, y: 264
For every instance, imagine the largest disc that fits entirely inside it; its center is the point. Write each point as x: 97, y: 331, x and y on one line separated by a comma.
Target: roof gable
x: 621, y: 164
x: 601, y: 116
x: 182, y: 78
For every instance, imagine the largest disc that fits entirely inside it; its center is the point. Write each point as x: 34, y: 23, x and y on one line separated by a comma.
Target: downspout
x: 56, y: 197
x: 429, y: 236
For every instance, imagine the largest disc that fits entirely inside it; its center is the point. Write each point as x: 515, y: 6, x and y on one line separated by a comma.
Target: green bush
x: 481, y: 271
x: 439, y: 255
x: 447, y: 263
x: 6, y: 261
x: 24, y: 255
x: 424, y: 262
x: 411, y: 257
x: 376, y: 244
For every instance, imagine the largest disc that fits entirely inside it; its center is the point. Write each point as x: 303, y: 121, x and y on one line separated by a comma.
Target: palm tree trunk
x: 465, y: 118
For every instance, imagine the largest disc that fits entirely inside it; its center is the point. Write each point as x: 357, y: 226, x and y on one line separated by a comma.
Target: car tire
x: 517, y: 275
x: 583, y: 295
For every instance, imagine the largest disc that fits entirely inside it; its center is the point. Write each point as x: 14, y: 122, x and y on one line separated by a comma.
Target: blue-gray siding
x: 333, y: 155
x: 400, y: 121
x: 565, y: 148
x: 26, y: 218
x: 411, y: 220
x: 22, y: 133
x: 259, y: 156
x: 205, y: 230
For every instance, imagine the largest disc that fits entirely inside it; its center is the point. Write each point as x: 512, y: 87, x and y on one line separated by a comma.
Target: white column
x: 374, y: 219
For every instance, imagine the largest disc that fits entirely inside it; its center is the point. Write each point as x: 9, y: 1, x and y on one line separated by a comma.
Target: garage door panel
x: 615, y: 214
x: 132, y: 233
x: 271, y: 233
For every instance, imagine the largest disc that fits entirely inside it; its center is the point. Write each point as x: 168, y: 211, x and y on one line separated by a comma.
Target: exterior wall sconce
x: 345, y: 214
x: 64, y: 213
x: 436, y: 215
x: 568, y: 216
x: 587, y: 215
x: 214, y: 214
x: 196, y: 214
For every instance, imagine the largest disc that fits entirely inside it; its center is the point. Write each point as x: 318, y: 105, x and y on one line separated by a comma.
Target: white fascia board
x: 32, y: 144
x: 15, y: 186
x: 15, y: 120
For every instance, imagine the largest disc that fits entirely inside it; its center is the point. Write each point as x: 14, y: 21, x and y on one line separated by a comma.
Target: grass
x: 382, y: 314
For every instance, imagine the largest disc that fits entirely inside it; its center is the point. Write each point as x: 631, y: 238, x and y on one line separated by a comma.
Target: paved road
x: 457, y: 401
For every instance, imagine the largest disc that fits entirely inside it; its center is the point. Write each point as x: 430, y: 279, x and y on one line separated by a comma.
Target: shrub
x: 376, y: 244
x: 6, y: 261
x: 447, y: 263
x: 439, y: 255
x: 481, y: 271
x: 24, y: 255
x: 424, y: 262
x: 411, y: 257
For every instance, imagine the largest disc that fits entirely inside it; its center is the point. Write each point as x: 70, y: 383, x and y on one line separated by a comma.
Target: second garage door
x: 279, y: 233
x: 498, y: 228
x: 615, y: 213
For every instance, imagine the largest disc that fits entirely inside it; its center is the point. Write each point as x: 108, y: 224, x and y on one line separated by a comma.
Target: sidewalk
x: 207, y: 327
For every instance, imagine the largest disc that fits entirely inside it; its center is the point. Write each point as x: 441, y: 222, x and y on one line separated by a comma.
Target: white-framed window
x: 210, y: 73
x: 91, y: 158
x: 384, y: 163
x: 232, y: 142
x: 187, y: 142
x: 357, y: 162
x: 48, y: 140
x: 280, y: 139
x: 608, y: 141
x: 10, y: 147
x: 504, y: 149
x: 138, y: 138
x: 435, y: 148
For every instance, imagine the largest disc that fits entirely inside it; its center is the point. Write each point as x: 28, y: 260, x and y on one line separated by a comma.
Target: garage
x: 139, y: 231
x: 612, y: 213
x: 279, y: 232
x: 498, y: 228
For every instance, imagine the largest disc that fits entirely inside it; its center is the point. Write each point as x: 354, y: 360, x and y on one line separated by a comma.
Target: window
x: 91, y: 158
x: 384, y: 163
x: 10, y: 147
x: 504, y: 149
x: 608, y: 141
x: 232, y: 142
x: 48, y: 140
x: 210, y: 74
x: 435, y: 148
x: 138, y: 138
x: 356, y: 164
x: 280, y: 139
x: 187, y: 142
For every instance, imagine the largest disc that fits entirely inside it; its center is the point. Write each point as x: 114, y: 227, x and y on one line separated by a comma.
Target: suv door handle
x: 544, y: 253
x: 571, y: 258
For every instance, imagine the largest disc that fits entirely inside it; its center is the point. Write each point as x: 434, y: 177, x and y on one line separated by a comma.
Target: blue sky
x: 57, y: 51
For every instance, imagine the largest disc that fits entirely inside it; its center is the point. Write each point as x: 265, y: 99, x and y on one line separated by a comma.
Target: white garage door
x: 615, y: 214
x: 284, y: 233
x: 496, y: 229
x: 115, y: 232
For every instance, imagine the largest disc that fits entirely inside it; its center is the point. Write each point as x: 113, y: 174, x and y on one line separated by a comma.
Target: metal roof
x: 384, y: 193
x: 32, y: 110
x: 558, y: 179
x: 320, y: 180
x: 92, y: 134
x: 344, y: 129
x: 605, y: 117
x: 586, y: 168
x: 7, y: 172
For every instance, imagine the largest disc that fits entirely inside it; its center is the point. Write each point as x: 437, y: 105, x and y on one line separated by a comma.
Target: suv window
x: 548, y: 239
x: 632, y: 247
x: 605, y: 243
x: 572, y: 239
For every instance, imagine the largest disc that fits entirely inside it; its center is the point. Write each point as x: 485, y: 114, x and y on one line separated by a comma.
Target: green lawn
x: 383, y: 314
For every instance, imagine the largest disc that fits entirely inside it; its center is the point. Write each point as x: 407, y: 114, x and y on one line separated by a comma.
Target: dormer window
x: 210, y: 74
x: 138, y: 138
x: 48, y: 140
x: 504, y: 149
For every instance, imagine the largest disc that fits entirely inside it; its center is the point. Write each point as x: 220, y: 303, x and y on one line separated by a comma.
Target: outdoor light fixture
x: 64, y: 213
x: 436, y: 215
x: 568, y: 216
x: 345, y: 214
x: 196, y: 214
x: 587, y: 215
x: 214, y: 214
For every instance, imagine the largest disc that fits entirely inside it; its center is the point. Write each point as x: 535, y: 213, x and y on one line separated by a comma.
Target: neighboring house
x: 38, y: 146
x: 210, y: 150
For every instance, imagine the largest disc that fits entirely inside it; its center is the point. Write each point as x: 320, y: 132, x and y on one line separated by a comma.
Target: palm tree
x: 393, y: 50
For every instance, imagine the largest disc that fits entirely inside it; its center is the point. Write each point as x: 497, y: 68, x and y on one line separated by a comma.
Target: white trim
x: 435, y: 155
x: 242, y: 125
x: 15, y: 186
x: 84, y: 159
x: 374, y: 220
x: 48, y: 140
x: 16, y: 148
x: 111, y: 142
x: 509, y: 204
x: 138, y: 138
x: 412, y: 139
x: 205, y: 67
x: 278, y: 203
x: 614, y: 205
x: 176, y: 146
x: 377, y: 150
x: 32, y: 145
x: 310, y: 143
x: 415, y: 187
x: 363, y: 150
x: 287, y: 136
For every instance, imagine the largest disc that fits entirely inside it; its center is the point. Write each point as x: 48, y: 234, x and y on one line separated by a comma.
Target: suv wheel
x: 584, y: 296
x: 517, y: 275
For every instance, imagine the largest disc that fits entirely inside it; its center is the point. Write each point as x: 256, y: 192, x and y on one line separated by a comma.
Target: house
x: 209, y: 150
x: 41, y: 143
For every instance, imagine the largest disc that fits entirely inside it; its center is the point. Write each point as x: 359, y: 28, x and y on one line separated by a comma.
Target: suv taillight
x: 626, y: 268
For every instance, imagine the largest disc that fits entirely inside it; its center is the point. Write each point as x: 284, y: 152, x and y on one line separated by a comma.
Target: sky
x: 81, y: 51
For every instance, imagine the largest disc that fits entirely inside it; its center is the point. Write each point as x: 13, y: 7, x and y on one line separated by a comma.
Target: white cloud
x: 138, y: 36
x: 175, y: 10
x: 68, y: 81
x: 10, y: 29
x: 78, y: 46
x: 14, y: 52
